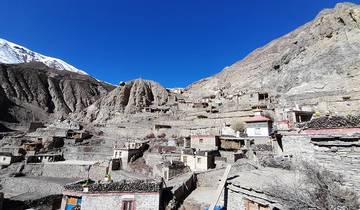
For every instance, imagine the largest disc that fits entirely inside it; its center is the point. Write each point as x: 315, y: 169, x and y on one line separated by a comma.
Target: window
x: 198, y: 160
x: 4, y: 158
x: 128, y: 205
x: 257, y: 131
x: 263, y: 96
x: 201, y: 141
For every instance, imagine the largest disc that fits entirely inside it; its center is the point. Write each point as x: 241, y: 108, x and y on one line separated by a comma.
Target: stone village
x: 224, y: 167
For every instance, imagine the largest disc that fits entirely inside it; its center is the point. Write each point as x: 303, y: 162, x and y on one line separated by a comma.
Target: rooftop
x: 9, y: 154
x: 140, y: 185
x: 257, y: 118
x: 258, y: 179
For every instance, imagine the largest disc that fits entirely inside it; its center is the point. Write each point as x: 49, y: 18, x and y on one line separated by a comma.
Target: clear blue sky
x: 174, y: 42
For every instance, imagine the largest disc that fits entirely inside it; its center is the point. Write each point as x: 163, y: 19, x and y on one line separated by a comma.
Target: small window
x: 257, y: 131
x: 4, y: 158
x: 128, y: 205
x: 198, y: 160
x: 201, y: 141
x: 263, y: 96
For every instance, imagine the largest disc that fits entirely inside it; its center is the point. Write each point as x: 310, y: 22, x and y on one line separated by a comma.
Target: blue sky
x: 174, y: 42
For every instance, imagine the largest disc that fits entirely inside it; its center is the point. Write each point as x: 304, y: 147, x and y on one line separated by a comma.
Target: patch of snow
x: 12, y: 53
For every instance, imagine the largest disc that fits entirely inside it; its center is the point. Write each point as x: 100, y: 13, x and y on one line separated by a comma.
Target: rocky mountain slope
x: 129, y: 97
x: 320, y: 58
x: 11, y: 53
x: 33, y: 91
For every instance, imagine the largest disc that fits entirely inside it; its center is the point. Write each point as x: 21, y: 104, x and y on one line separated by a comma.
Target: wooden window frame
x: 132, y: 202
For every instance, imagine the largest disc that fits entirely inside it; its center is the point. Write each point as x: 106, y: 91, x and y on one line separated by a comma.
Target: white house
x: 7, y: 158
x: 258, y: 126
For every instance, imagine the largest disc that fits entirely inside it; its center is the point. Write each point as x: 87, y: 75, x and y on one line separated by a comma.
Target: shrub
x: 315, y: 188
x: 238, y: 125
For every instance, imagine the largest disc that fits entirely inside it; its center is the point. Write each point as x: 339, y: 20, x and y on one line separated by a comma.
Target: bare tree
x: 238, y: 125
x: 316, y: 188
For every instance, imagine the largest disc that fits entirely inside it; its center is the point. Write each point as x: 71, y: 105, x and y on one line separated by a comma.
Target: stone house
x: 248, y: 189
x: 127, y: 153
x: 199, y: 160
x: 234, y: 143
x: 32, y: 147
x: 253, y: 98
x: 169, y: 169
x: 288, y: 117
x: 200, y: 105
x: 78, y: 135
x: 35, y: 125
x: 226, y: 130
x: 7, y: 158
x: 208, y: 99
x: 204, y: 142
x: 124, y: 195
x: 43, y: 158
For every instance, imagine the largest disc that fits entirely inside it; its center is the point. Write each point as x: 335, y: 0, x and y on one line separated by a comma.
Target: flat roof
x: 132, y: 185
x: 257, y: 118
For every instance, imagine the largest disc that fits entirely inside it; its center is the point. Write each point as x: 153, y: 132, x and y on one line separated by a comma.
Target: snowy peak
x: 11, y: 53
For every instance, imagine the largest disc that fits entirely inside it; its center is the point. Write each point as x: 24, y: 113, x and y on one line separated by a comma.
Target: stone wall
x: 204, y: 142
x: 235, y: 200
x: 343, y: 160
x: 142, y: 201
x: 64, y: 170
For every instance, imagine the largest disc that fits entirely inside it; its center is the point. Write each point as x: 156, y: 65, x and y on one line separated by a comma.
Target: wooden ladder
x: 221, y: 187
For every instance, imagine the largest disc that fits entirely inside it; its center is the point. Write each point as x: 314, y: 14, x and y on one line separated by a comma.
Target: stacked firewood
x: 349, y: 121
x: 121, y: 186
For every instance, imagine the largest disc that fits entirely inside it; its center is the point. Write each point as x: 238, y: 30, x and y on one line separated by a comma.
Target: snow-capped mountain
x: 11, y: 53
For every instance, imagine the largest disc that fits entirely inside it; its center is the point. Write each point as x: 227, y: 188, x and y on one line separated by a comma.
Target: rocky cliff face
x: 319, y: 58
x: 130, y: 97
x: 34, y: 91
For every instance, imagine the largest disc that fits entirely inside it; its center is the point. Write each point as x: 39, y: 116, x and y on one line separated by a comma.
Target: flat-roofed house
x: 198, y: 160
x: 124, y: 154
x: 124, y: 195
x: 248, y: 189
x: 258, y: 126
x: 205, y: 142
x: 7, y: 158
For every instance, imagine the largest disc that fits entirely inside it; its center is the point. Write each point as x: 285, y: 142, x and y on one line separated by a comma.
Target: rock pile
x: 333, y: 122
